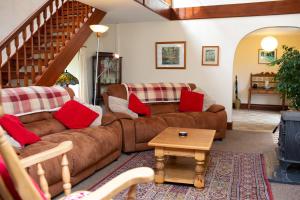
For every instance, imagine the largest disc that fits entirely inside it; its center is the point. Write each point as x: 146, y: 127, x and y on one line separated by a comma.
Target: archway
x: 249, y: 59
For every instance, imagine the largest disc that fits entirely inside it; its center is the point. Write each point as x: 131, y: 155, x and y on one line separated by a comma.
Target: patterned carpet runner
x: 229, y: 176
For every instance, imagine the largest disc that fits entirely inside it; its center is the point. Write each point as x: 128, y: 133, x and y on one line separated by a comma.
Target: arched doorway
x: 249, y: 59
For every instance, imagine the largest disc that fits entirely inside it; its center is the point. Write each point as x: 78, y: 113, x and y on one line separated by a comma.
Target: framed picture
x: 170, y: 55
x: 266, y: 57
x: 210, y: 55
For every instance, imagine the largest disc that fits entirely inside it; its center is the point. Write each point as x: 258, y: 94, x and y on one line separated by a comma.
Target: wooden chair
x: 27, y: 191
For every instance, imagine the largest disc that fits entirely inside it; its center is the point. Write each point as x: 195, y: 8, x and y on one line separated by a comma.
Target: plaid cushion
x: 156, y: 92
x: 25, y: 100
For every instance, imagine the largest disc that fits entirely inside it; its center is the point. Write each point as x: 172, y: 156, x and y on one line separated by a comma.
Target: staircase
x: 38, y: 51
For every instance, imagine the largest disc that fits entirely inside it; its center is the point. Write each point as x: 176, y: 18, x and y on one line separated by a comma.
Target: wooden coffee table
x: 182, y: 159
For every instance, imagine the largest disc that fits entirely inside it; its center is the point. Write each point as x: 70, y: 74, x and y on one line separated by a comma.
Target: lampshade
x: 269, y: 43
x: 66, y: 79
x: 116, y: 55
x: 97, y: 28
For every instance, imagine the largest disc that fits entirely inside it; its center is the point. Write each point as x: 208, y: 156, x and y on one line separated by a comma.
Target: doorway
x: 264, y: 112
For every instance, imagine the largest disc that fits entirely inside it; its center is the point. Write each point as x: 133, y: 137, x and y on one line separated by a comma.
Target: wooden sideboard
x: 257, y: 86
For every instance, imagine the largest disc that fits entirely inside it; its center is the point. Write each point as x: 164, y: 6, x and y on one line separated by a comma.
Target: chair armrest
x: 62, y: 148
x: 123, y: 181
x: 110, y: 117
x: 215, y: 108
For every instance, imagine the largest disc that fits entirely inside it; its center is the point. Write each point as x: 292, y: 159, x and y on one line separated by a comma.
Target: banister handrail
x: 13, y: 34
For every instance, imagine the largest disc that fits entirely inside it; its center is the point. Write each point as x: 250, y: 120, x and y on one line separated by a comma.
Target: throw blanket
x: 26, y: 100
x: 156, y: 92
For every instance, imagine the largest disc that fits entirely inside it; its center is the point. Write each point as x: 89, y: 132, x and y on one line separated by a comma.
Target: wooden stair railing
x: 39, y: 50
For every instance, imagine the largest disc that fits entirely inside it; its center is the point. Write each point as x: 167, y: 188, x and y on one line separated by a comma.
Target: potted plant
x: 288, y: 75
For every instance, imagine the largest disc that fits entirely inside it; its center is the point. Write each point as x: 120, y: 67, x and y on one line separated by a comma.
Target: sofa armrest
x: 110, y: 117
x: 215, y: 108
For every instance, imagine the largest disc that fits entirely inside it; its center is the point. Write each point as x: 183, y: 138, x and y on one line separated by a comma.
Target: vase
x: 237, y: 104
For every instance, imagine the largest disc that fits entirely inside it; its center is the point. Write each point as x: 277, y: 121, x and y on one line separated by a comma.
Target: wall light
x: 269, y: 43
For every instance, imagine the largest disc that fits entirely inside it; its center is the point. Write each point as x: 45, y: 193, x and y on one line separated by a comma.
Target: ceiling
x: 277, y: 31
x: 195, y: 3
x: 123, y: 11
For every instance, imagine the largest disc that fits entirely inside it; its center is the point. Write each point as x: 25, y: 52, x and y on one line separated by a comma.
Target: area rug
x: 229, y: 176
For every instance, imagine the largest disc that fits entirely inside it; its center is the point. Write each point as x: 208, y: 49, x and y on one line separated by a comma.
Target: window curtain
x: 83, y: 76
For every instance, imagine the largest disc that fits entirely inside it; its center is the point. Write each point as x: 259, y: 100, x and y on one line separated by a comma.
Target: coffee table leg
x: 199, y: 170
x: 160, y: 173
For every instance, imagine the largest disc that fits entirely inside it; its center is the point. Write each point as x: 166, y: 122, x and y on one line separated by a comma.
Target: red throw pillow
x: 4, y: 174
x: 137, y: 106
x: 190, y: 101
x: 16, y: 129
x: 74, y: 115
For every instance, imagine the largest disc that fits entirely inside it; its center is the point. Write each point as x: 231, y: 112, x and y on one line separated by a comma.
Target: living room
x: 136, y: 36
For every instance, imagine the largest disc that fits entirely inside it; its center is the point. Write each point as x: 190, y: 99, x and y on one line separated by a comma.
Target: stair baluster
x: 57, y: 26
x: 86, y: 9
x: 68, y: 19
x: 24, y: 34
x: 32, y: 52
x: 45, y: 39
x: 38, y: 20
x: 63, y: 25
x: 78, y: 14
x: 8, y: 52
x: 51, y: 32
x: 17, y: 61
x: 73, y: 16
x: 82, y: 14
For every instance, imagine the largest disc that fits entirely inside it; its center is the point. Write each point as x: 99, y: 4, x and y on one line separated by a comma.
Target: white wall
x: 246, y: 62
x: 137, y: 47
x: 14, y: 12
x: 108, y: 43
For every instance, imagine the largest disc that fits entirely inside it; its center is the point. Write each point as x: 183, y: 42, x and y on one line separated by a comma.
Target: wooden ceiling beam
x: 161, y: 7
x: 237, y: 10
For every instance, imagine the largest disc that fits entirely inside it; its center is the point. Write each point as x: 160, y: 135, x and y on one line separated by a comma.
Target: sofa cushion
x: 148, y: 127
x: 190, y: 101
x: 52, y: 167
x: 45, y: 127
x: 90, y: 144
x: 75, y: 115
x: 116, y: 104
x: 208, y: 100
x: 137, y: 106
x: 16, y: 129
x: 179, y: 120
x: 206, y: 120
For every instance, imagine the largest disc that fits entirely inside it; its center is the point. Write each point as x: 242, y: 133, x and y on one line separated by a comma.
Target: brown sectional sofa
x: 138, y: 132
x: 93, y: 147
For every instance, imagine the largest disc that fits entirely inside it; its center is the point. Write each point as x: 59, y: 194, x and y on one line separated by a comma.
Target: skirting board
x: 267, y: 107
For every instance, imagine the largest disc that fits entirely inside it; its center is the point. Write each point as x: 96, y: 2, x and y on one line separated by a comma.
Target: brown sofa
x: 138, y: 132
x: 93, y: 147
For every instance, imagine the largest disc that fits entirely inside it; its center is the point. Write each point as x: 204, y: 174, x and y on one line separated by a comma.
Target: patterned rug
x: 229, y: 176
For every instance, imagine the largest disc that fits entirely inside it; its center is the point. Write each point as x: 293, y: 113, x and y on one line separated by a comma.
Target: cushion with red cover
x: 74, y: 115
x: 190, y: 101
x: 15, y: 128
x: 10, y: 185
x: 135, y: 105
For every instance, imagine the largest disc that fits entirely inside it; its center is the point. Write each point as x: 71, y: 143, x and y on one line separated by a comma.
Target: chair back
x: 21, y: 180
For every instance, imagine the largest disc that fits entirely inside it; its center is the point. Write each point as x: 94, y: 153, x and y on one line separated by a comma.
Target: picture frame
x: 266, y: 57
x: 210, y: 55
x: 170, y: 55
